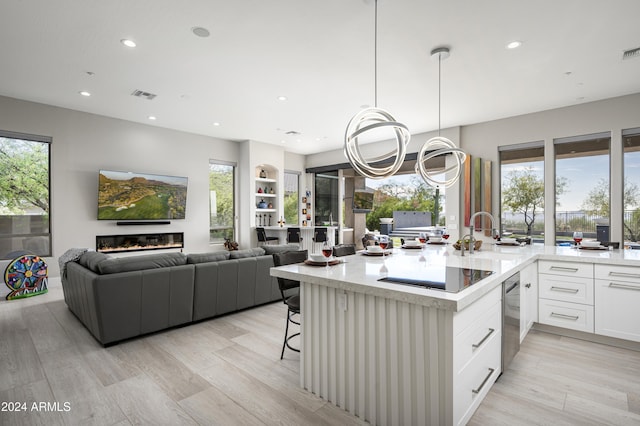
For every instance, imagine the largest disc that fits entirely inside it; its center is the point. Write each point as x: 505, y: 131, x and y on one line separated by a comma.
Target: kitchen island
x: 399, y: 354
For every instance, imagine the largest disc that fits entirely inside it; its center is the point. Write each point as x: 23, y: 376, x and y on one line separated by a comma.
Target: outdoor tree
x: 24, y: 176
x: 221, y: 186
x: 524, y: 193
x: 597, y: 202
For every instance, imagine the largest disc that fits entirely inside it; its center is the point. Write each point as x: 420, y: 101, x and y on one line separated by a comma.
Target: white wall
x: 85, y: 143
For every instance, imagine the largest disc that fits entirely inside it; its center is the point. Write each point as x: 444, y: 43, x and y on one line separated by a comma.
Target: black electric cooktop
x: 447, y: 278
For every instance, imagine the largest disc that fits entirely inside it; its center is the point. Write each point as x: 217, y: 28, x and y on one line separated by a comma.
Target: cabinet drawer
x: 468, y: 317
x: 569, y: 269
x: 616, y: 311
x: 568, y: 289
x: 473, y: 340
x: 472, y: 383
x: 566, y: 315
x: 618, y: 273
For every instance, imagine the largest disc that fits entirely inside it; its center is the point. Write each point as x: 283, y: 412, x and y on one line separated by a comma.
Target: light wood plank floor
x: 227, y: 371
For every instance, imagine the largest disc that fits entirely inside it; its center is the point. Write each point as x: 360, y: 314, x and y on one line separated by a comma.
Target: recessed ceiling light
x: 514, y: 44
x: 282, y: 98
x: 200, y: 31
x: 128, y: 43
x: 152, y: 117
x: 216, y: 124
x: 283, y: 141
x: 84, y: 93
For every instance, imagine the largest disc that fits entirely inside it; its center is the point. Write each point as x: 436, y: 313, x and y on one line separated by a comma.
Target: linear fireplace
x: 137, y: 242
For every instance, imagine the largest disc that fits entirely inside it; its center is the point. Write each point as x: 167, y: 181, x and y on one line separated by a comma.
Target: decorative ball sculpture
x: 435, y: 147
x: 365, y: 121
x: 26, y: 276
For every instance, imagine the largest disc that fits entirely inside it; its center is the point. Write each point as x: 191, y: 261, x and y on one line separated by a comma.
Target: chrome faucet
x: 471, y: 243
x: 472, y: 220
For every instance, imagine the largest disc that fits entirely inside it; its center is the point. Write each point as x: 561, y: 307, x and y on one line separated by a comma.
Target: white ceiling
x: 320, y: 55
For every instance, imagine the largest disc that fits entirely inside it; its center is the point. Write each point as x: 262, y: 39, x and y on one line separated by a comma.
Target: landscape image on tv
x: 138, y: 196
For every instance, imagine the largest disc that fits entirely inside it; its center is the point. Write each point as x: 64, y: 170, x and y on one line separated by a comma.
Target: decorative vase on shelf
x: 270, y: 206
x: 263, y: 174
x: 262, y: 204
x: 271, y: 191
x: 281, y: 221
x: 259, y: 190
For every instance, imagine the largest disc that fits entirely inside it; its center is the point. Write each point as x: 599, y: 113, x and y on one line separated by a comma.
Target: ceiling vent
x: 631, y: 53
x: 292, y: 132
x: 142, y: 94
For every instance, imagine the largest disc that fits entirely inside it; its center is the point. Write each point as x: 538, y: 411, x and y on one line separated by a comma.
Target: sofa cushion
x: 270, y: 249
x: 91, y: 259
x: 138, y: 263
x: 214, y: 256
x: 251, y: 252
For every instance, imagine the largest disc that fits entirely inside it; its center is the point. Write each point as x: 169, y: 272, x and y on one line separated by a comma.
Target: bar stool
x: 287, y: 287
x: 293, y: 235
x: 319, y: 236
x: 262, y: 237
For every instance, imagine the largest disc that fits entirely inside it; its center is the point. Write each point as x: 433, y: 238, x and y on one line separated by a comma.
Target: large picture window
x: 291, y: 197
x: 522, y: 190
x: 221, y: 201
x: 582, y: 187
x: 25, y: 215
x: 631, y: 193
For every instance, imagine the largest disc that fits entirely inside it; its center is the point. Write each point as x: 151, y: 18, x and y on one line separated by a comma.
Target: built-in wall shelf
x: 139, y: 242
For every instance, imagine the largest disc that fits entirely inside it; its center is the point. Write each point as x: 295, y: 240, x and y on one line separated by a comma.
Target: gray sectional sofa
x: 121, y: 297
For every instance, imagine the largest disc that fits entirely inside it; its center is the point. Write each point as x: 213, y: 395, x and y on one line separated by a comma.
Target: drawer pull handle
x: 563, y: 268
x: 624, y: 274
x: 571, y: 317
x: 484, y: 382
x: 477, y: 345
x: 624, y: 286
x: 564, y: 289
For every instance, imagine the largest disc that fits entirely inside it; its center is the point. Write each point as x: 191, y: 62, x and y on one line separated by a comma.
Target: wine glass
x: 422, y: 237
x: 383, y: 242
x: 577, y: 237
x: 327, y: 251
x: 445, y: 235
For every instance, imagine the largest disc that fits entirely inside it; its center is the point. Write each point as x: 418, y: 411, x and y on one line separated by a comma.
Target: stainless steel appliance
x: 510, y: 319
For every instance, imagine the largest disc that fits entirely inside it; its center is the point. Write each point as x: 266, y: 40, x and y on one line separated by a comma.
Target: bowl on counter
x: 476, y: 246
x: 374, y: 249
x: 317, y: 258
x: 435, y: 240
x: 411, y: 243
x: 590, y: 243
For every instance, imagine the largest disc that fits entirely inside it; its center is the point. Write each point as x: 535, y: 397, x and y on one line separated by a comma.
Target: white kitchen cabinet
x: 617, y: 301
x: 528, y: 298
x: 566, y: 295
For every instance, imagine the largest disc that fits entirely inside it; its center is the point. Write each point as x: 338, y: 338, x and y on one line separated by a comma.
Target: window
x: 291, y: 197
x: 631, y: 194
x: 582, y: 186
x: 221, y: 201
x: 326, y: 198
x: 522, y: 190
x: 24, y: 194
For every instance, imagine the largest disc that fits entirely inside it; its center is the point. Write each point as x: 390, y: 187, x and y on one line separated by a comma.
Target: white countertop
x: 360, y: 273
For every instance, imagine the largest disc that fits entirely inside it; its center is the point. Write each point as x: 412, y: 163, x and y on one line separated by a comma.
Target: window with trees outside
x: 631, y: 194
x: 582, y: 187
x: 404, y: 192
x: 291, y: 197
x: 24, y: 194
x: 221, y: 201
x: 522, y: 191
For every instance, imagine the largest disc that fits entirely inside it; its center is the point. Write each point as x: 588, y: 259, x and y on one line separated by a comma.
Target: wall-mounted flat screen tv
x: 362, y: 200
x: 141, y: 196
